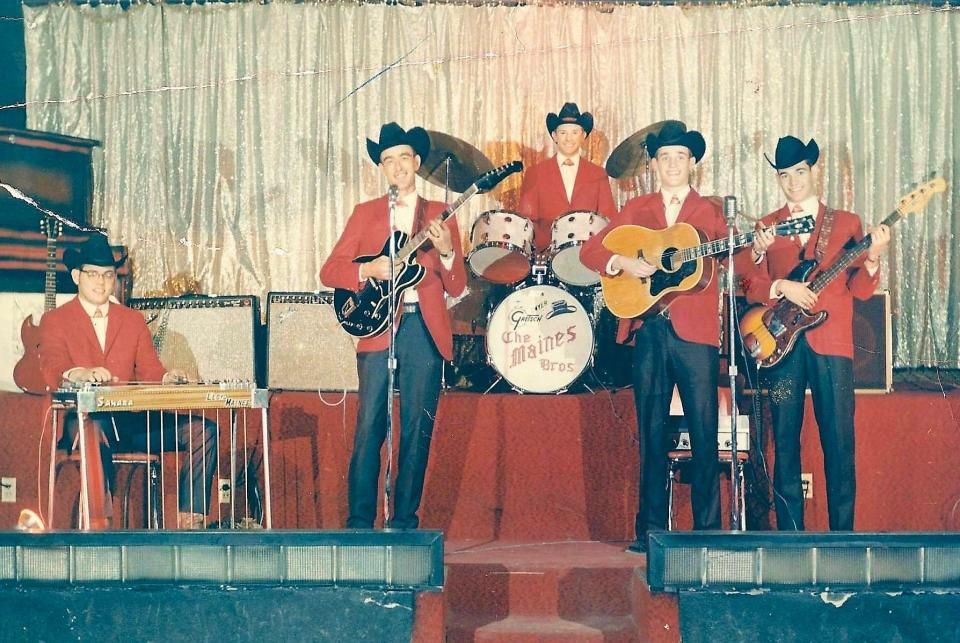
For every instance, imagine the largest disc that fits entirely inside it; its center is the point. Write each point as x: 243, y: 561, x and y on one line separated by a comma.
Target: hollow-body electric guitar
x: 366, y: 313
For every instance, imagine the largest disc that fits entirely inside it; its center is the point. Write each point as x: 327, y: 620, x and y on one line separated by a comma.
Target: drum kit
x: 541, y: 337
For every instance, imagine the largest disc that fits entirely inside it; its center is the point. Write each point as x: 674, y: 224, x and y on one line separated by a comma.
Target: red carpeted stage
x: 536, y: 495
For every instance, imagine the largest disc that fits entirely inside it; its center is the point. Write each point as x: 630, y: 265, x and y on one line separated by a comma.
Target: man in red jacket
x: 567, y: 181
x: 423, y: 338
x: 678, y: 346
x: 93, y: 338
x: 822, y: 356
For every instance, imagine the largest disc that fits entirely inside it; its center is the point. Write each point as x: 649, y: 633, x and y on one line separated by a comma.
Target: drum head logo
x: 540, y: 339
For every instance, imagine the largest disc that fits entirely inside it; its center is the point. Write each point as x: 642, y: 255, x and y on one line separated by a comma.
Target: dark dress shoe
x: 638, y: 546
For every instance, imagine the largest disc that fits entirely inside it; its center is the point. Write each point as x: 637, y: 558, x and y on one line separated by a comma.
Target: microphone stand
x: 736, y: 501
x: 446, y: 201
x: 392, y: 195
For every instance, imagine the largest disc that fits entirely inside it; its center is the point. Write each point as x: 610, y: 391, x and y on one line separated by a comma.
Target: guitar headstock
x: 50, y: 227
x: 801, y: 225
x: 916, y: 201
x: 490, y: 180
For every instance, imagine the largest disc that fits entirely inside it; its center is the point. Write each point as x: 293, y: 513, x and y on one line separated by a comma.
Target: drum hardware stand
x: 736, y: 500
x: 539, y: 273
x: 393, y: 193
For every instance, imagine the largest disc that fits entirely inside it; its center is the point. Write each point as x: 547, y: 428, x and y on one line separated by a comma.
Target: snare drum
x: 568, y: 233
x: 502, y: 246
x: 540, y: 339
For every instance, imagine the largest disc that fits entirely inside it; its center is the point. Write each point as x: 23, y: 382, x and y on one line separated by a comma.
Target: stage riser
x: 794, y: 616
x: 206, y: 614
x: 515, y: 467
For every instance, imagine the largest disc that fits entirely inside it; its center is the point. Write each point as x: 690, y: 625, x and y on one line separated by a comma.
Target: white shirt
x: 568, y: 172
x: 672, y: 210
x: 99, y: 323
x: 99, y: 327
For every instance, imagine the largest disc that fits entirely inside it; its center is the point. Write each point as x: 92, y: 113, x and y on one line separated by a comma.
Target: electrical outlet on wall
x: 8, y: 489
x: 224, y: 491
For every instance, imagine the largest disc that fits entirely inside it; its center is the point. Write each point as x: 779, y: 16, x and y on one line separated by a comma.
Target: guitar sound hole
x: 667, y: 260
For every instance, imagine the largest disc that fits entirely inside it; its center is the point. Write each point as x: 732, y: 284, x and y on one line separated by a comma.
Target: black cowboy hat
x: 675, y: 133
x: 570, y: 115
x: 392, y: 135
x: 95, y: 251
x: 791, y: 150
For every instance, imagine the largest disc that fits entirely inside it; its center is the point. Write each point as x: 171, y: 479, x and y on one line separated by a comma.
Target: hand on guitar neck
x: 799, y: 292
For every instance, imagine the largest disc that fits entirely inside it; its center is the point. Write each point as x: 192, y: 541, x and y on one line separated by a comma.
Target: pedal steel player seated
x: 93, y: 338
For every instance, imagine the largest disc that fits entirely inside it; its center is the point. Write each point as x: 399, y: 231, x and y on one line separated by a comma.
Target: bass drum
x: 540, y: 339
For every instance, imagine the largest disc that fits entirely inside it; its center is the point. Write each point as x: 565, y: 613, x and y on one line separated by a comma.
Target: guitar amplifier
x: 680, y: 439
x: 873, y: 344
x: 211, y: 338
x: 307, y: 349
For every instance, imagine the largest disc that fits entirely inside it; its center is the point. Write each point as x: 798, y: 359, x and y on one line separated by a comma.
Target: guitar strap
x: 418, y: 217
x: 825, y: 231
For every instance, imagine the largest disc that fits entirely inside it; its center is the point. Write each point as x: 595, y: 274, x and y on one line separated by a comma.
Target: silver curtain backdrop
x: 233, y: 134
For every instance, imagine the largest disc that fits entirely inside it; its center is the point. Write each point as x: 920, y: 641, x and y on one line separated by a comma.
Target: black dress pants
x: 831, y: 385
x: 660, y: 361
x: 418, y: 372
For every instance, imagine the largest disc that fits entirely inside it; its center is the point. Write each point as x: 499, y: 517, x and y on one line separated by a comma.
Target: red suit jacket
x: 367, y: 230
x: 543, y: 198
x: 67, y: 340
x: 835, y: 335
x: 695, y: 317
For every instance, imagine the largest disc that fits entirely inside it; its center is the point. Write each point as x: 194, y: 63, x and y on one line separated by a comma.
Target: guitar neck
x: 719, y: 246
x: 828, y: 275
x: 50, y: 278
x: 414, y: 244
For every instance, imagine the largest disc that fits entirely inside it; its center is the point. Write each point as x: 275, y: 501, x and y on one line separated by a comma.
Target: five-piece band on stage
x: 658, y: 263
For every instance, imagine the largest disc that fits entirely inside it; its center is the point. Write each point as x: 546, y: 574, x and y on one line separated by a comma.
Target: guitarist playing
x: 678, y: 346
x: 423, y: 340
x: 823, y: 356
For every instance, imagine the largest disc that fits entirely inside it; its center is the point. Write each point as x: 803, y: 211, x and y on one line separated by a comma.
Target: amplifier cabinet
x: 873, y: 344
x: 307, y: 349
x: 211, y: 338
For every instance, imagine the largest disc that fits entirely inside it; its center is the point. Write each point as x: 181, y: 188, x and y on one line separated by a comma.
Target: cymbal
x: 630, y: 157
x: 467, y: 163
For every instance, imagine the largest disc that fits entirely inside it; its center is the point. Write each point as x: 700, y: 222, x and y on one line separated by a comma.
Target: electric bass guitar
x: 366, y: 313
x: 770, y: 332
x: 678, y: 253
x: 27, y: 374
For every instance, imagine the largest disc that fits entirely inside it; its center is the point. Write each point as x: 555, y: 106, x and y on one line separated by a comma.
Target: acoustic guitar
x: 679, y: 253
x: 770, y: 332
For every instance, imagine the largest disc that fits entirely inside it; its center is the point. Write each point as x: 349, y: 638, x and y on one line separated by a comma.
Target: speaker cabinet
x: 307, y: 349
x: 211, y: 338
x: 873, y: 344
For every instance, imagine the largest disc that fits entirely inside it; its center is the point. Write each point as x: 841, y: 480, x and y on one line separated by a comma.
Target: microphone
x: 730, y: 208
x: 393, y: 193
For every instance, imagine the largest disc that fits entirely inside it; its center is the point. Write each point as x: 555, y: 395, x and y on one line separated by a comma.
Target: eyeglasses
x: 108, y: 275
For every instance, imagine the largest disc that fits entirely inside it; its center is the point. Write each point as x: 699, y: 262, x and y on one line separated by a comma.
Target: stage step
x: 553, y: 591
